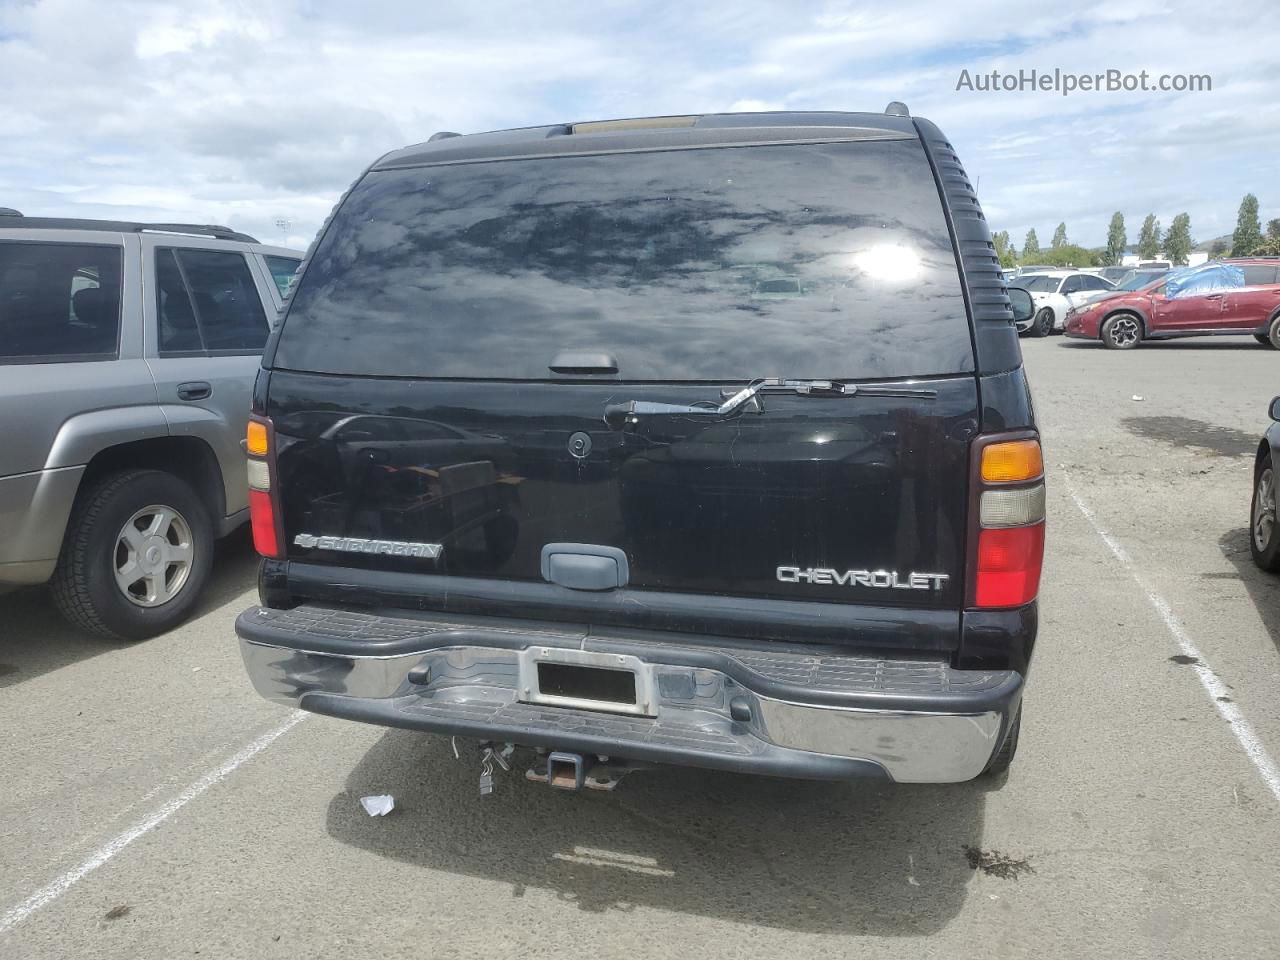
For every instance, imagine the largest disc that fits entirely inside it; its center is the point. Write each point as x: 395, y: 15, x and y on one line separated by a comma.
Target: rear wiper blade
x: 619, y: 413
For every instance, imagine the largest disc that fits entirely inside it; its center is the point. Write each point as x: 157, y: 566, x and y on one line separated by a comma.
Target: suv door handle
x: 195, y: 390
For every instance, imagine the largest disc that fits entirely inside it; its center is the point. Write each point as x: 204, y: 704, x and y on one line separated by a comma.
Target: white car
x: 1054, y: 292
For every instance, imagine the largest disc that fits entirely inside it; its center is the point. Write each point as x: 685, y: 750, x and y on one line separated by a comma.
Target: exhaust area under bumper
x: 775, y: 709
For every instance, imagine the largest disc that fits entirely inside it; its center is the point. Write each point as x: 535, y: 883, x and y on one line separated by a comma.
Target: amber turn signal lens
x: 1011, y: 462
x: 256, y: 438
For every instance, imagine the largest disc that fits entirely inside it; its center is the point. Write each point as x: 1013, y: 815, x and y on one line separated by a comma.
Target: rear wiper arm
x: 616, y: 414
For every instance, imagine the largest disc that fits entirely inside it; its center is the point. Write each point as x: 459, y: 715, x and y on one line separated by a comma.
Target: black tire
x: 1003, y: 757
x: 1042, y: 325
x: 85, y: 584
x: 1122, y: 331
x: 1262, y: 339
x: 1273, y: 332
x: 1264, y: 532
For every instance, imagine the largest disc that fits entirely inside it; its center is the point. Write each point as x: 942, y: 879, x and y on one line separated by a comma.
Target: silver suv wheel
x: 1264, y: 510
x: 153, y: 555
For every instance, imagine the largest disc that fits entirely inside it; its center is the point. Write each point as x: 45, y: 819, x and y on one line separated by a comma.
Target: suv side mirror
x: 1274, y: 409
x: 1023, y: 306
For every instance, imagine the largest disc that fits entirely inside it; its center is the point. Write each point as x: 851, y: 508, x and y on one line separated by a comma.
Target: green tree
x: 1030, y: 246
x: 1149, y: 238
x: 1178, y: 242
x: 1071, y: 255
x: 1059, y: 237
x: 1005, y: 252
x: 1248, y: 232
x: 1117, y: 240
x: 1270, y: 246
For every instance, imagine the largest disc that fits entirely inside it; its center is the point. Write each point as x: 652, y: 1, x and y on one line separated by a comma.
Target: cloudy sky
x: 243, y: 113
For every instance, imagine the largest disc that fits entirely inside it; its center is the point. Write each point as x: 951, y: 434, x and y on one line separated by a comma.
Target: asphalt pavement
x: 154, y: 807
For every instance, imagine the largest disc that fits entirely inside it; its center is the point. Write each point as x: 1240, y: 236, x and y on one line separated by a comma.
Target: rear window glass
x: 59, y: 302
x: 826, y: 260
x: 1259, y: 276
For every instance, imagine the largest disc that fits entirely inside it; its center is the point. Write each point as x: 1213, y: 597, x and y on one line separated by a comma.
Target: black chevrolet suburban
x: 695, y: 440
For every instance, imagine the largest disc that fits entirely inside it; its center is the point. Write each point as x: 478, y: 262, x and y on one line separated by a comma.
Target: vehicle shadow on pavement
x: 1263, y: 587
x: 35, y: 640
x: 848, y: 858
x: 1188, y: 343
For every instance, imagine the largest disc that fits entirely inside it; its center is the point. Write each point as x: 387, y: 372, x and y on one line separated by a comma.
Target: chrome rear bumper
x: 782, y: 710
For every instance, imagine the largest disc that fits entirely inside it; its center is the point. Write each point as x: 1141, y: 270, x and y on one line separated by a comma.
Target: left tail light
x: 264, y: 513
x: 1007, y: 546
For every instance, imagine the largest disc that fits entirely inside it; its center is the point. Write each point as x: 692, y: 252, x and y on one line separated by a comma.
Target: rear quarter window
x: 1259, y: 276
x: 59, y: 302
x: 818, y: 260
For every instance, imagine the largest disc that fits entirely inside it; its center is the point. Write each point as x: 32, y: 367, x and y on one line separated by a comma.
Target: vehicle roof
x: 16, y: 221
x: 652, y: 133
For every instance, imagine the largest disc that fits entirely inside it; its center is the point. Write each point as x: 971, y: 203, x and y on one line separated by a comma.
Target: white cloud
x: 234, y: 112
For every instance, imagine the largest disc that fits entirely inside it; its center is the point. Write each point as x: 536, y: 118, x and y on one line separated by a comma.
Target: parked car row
x: 1125, y: 318
x: 129, y: 353
x: 1054, y: 293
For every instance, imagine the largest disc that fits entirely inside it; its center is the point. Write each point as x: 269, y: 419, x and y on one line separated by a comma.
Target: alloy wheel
x: 153, y: 556
x: 1124, y: 331
x: 1264, y: 510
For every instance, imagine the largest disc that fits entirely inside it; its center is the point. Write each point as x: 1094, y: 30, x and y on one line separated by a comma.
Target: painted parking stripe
x: 52, y: 891
x: 1219, y: 694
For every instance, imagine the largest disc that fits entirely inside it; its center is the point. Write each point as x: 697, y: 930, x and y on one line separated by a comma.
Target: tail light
x: 1007, y: 545
x: 264, y: 517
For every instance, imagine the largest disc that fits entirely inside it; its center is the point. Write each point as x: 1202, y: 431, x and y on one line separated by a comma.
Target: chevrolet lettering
x: 877, y: 579
x: 631, y: 381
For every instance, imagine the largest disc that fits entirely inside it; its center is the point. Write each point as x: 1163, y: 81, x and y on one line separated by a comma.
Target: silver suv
x: 128, y: 353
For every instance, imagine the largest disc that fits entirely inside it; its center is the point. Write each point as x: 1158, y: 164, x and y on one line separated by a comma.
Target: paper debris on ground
x: 378, y: 806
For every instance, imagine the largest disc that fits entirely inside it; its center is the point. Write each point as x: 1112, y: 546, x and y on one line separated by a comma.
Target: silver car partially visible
x: 127, y: 358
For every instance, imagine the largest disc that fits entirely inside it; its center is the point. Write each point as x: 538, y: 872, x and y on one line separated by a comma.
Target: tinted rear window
x: 1259, y: 276
x: 829, y: 260
x: 59, y: 302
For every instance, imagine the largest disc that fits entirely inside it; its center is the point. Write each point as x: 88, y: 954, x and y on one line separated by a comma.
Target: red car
x: 1124, y: 320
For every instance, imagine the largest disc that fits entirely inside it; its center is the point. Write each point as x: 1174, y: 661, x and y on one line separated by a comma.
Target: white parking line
x: 47, y: 894
x: 1219, y: 694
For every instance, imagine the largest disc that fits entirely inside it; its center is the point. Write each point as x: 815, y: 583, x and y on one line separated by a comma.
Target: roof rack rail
x: 212, y: 231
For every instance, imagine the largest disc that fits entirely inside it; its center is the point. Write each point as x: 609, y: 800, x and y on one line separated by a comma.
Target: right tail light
x: 1008, y: 550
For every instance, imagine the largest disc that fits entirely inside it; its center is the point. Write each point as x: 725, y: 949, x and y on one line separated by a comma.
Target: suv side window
x: 1073, y: 284
x: 207, y: 303
x: 59, y: 302
x: 1095, y: 283
x: 1259, y: 276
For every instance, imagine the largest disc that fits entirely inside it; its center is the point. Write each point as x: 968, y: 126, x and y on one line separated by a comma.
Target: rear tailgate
x: 417, y: 396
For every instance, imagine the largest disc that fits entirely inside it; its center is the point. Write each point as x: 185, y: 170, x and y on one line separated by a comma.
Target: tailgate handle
x: 584, y: 361
x: 585, y: 566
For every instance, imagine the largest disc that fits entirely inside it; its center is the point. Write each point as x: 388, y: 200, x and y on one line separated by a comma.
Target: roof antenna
x: 897, y: 108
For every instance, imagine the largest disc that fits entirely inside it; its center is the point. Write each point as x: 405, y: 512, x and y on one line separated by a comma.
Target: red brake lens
x: 262, y: 518
x: 1009, y: 562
